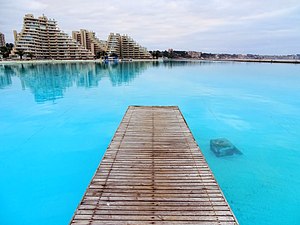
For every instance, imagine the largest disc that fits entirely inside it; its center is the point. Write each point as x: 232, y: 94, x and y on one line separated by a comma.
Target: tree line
x: 171, y: 54
x: 5, y: 51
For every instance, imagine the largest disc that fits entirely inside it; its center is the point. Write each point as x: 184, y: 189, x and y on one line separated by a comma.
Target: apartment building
x: 114, y: 44
x: 125, y: 47
x: 194, y: 54
x: 89, y: 41
x: 2, y: 40
x: 131, y: 49
x: 42, y: 38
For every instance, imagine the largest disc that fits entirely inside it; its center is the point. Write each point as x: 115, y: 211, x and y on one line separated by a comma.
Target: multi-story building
x: 89, y: 41
x: 125, y: 47
x: 114, y: 44
x: 2, y: 40
x: 194, y: 54
x: 42, y: 39
x: 131, y: 49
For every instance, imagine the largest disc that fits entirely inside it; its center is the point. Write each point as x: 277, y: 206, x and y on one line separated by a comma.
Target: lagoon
x: 56, y: 121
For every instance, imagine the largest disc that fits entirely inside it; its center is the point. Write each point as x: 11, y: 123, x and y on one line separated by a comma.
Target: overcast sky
x: 219, y: 26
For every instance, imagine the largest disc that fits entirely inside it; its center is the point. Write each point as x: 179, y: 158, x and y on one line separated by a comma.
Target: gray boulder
x: 223, y: 147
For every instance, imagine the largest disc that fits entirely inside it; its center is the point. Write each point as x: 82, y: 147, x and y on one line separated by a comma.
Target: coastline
x: 42, y: 61
x: 11, y: 62
x: 292, y: 61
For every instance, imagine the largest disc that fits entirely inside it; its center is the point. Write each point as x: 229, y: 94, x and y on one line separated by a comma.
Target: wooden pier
x: 153, y: 172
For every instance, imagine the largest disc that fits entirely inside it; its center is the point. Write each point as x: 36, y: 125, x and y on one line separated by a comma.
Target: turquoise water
x: 56, y: 121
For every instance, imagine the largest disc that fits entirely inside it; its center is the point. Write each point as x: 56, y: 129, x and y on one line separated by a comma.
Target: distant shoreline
x: 153, y: 60
x: 292, y: 61
x: 239, y: 60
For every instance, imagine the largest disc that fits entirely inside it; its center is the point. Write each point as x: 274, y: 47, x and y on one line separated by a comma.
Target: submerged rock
x: 223, y: 147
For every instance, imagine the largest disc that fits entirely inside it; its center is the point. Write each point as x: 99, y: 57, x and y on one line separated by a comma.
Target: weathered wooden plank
x: 129, y: 222
x: 175, y: 208
x: 153, y: 173
x: 120, y: 176
x: 141, y: 218
x: 150, y: 212
x: 142, y: 192
x: 172, y: 205
x: 160, y: 187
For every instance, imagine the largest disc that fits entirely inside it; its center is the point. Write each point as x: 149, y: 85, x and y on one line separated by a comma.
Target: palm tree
x: 98, y: 55
x: 9, y: 46
x: 101, y: 54
x: 115, y: 55
x: 104, y: 53
x: 5, y: 50
x: 30, y: 54
x: 20, y: 53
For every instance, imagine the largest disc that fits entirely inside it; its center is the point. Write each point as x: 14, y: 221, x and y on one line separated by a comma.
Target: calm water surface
x: 56, y: 121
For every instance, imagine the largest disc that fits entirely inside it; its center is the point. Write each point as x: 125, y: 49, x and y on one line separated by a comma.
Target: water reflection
x: 5, y: 76
x: 178, y: 63
x: 48, y: 82
x: 5, y: 80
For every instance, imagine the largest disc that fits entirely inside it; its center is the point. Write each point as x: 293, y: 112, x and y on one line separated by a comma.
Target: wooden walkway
x: 153, y: 172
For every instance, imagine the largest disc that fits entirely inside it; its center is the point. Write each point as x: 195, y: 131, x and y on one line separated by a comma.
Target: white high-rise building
x: 2, y: 40
x: 89, y: 41
x: 126, y: 48
x: 42, y: 39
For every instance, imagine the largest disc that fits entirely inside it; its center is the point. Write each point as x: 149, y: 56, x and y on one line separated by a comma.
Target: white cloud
x: 35, y: 5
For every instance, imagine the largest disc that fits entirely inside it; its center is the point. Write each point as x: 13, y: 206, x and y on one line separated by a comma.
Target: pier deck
x: 153, y: 172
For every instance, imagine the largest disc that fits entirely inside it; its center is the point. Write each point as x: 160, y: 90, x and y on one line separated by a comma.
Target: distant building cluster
x: 2, y: 40
x: 194, y: 54
x: 41, y: 38
x: 211, y: 56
